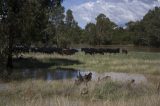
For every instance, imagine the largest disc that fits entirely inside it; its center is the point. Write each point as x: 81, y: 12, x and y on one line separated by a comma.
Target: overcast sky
x: 119, y: 11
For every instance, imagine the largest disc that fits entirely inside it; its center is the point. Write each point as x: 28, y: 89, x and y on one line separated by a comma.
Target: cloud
x: 119, y: 11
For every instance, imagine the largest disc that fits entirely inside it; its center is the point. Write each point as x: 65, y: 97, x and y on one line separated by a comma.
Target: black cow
x: 88, y: 51
x: 69, y: 51
x: 20, y: 49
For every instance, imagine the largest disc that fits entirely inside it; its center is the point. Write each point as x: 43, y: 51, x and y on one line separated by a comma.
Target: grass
x: 134, y: 62
x: 65, y: 93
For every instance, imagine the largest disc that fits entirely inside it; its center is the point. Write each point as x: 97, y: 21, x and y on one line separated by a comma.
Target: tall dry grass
x: 65, y: 93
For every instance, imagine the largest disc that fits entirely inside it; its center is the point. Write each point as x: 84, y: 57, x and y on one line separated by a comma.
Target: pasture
x: 31, y: 92
x: 133, y: 62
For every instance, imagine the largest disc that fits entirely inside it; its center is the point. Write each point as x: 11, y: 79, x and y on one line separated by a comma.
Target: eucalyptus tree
x: 104, y: 29
x: 73, y: 31
x: 69, y: 18
x: 146, y: 32
x: 151, y: 23
x: 90, y: 34
x: 56, y: 23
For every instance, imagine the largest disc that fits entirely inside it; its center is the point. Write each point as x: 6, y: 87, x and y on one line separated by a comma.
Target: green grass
x: 134, y: 62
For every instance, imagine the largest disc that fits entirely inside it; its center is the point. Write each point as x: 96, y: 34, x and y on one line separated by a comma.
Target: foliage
x: 55, y: 25
x: 90, y: 35
x: 121, y: 36
x: 23, y: 22
x: 104, y: 28
x: 68, y: 32
x: 147, y: 31
x: 100, y: 33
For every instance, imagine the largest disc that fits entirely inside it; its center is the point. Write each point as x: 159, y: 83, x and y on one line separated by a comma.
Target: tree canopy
x: 147, y: 31
x: 23, y: 22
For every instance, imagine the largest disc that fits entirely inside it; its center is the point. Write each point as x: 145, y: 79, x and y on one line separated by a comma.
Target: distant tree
x: 56, y: 21
x: 147, y: 31
x: 137, y: 33
x: 151, y: 23
x: 104, y: 29
x: 121, y: 36
x: 90, y: 35
x: 64, y: 40
x: 69, y: 18
x: 69, y: 31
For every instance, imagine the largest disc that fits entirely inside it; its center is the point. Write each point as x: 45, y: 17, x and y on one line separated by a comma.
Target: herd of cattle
x: 91, y: 51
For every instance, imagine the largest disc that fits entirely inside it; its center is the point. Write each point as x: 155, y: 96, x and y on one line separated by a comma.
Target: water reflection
x: 47, y: 74
x: 61, y: 74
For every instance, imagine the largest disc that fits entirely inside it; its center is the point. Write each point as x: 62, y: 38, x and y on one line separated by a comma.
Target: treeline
x: 36, y: 23
x: 145, y: 32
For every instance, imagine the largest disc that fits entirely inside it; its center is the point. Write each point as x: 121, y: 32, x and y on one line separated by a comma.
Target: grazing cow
x: 69, y: 51
x: 124, y: 51
x: 87, y: 50
x: 20, y: 49
x: 47, y: 50
x: 117, y: 50
x: 109, y: 50
x: 92, y: 51
x: 99, y: 51
x: 59, y: 51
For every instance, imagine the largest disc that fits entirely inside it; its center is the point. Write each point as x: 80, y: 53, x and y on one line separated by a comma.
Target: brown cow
x: 124, y: 51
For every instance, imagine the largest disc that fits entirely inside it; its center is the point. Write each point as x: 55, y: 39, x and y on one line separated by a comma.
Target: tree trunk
x: 10, y: 46
x: 9, y: 60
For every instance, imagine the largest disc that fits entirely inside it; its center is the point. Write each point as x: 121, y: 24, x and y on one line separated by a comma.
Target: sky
x: 118, y: 11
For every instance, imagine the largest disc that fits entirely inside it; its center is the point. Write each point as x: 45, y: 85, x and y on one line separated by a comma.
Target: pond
x: 62, y: 74
x: 45, y: 74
